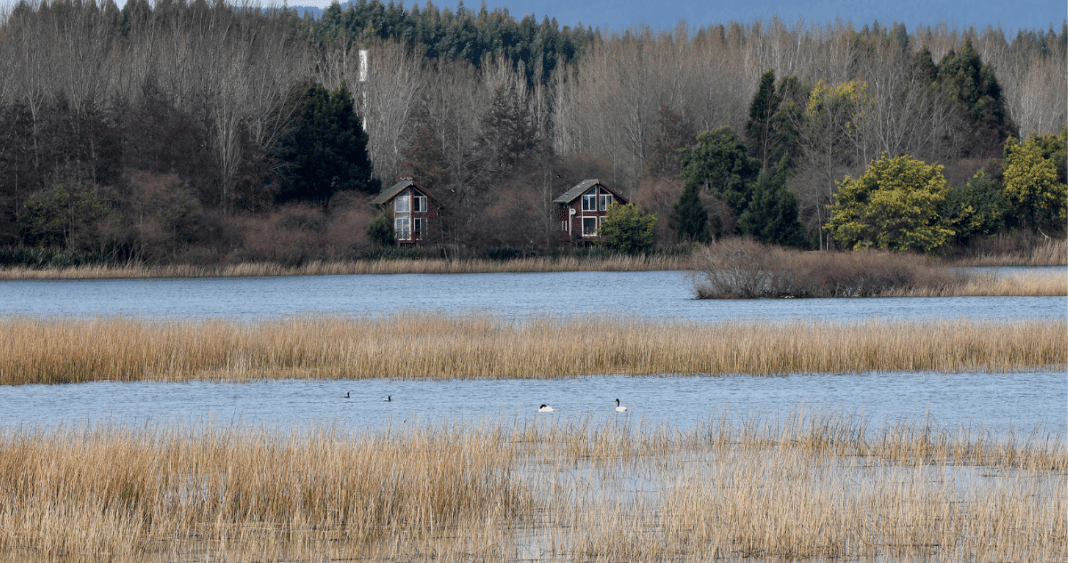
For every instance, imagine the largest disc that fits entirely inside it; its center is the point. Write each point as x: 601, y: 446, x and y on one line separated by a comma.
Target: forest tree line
x: 186, y: 131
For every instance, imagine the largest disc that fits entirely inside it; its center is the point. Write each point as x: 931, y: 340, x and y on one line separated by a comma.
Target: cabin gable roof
x: 581, y: 188
x: 392, y: 191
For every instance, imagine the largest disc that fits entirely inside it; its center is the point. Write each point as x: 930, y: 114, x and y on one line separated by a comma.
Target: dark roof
x: 392, y: 191
x: 581, y: 188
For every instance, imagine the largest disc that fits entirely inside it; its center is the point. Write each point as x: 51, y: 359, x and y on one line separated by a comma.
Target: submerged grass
x: 804, y: 485
x: 442, y: 346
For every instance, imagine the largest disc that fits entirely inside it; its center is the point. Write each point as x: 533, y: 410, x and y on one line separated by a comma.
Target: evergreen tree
x: 326, y: 149
x: 759, y: 132
x: 691, y: 218
x: 771, y: 216
x: 719, y: 162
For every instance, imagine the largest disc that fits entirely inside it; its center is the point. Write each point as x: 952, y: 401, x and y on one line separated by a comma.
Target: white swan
x: 545, y: 408
x: 619, y: 407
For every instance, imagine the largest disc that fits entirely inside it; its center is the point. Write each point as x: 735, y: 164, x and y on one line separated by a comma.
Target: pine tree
x: 691, y: 218
x: 326, y: 150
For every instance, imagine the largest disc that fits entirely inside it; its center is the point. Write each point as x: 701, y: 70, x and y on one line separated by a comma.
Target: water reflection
x: 996, y: 401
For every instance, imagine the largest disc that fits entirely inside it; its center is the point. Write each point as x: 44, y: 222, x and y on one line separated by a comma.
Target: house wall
x: 427, y: 216
x: 571, y: 223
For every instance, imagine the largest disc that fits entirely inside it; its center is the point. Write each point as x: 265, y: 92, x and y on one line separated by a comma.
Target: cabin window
x: 589, y: 226
x: 400, y: 204
x: 589, y: 201
x: 419, y: 203
x: 417, y: 228
x: 563, y: 225
x: 606, y: 201
x: 401, y: 228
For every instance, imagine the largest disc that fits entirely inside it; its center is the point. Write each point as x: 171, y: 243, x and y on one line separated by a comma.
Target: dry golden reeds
x: 357, y: 267
x: 807, y: 485
x: 441, y: 346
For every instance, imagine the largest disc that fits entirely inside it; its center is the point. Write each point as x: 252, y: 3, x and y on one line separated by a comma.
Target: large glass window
x: 419, y: 203
x: 589, y: 226
x: 400, y: 204
x: 417, y: 228
x: 589, y: 201
x: 606, y: 201
x: 401, y: 229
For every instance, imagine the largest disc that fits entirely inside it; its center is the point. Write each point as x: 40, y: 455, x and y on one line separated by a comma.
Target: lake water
x: 663, y: 294
x: 997, y: 401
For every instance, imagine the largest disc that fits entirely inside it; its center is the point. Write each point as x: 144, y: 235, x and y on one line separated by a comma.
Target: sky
x: 618, y: 15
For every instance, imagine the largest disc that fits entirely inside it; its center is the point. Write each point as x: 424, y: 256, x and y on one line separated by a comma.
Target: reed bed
x: 806, y: 485
x: 1030, y: 284
x: 441, y: 346
x: 1053, y: 253
x: 355, y: 267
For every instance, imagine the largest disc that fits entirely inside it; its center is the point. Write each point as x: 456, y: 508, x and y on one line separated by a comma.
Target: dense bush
x: 743, y: 269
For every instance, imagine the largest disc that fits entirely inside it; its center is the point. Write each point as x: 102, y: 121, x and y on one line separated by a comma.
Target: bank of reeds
x: 355, y: 267
x: 806, y: 485
x: 441, y: 346
x: 1016, y: 252
x: 744, y: 269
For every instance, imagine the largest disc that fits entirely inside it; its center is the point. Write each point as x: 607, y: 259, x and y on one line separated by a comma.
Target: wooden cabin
x: 413, y: 207
x: 583, y: 207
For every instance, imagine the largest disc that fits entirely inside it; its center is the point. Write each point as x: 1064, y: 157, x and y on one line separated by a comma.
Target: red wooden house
x: 414, y: 209
x: 582, y: 208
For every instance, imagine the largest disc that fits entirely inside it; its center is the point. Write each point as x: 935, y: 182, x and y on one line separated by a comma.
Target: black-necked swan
x: 347, y: 394
x: 388, y: 399
x: 545, y: 408
x: 619, y: 407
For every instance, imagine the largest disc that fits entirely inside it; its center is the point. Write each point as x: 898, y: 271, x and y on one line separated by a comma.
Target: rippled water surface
x: 664, y: 294
x: 996, y: 401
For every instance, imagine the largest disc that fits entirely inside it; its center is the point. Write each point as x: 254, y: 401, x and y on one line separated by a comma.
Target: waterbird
x: 347, y: 394
x: 619, y: 407
x: 388, y: 399
x: 545, y: 408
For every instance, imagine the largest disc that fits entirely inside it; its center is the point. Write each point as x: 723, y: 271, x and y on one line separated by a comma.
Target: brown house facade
x: 414, y: 209
x: 583, y: 207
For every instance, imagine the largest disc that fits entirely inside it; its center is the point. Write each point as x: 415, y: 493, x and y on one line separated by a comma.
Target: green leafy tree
x: 720, y: 164
x: 771, y: 216
x: 1031, y: 185
x: 326, y: 149
x: 691, y: 217
x: 627, y: 229
x: 893, y: 206
x: 976, y: 208
x: 380, y: 230
x: 68, y: 214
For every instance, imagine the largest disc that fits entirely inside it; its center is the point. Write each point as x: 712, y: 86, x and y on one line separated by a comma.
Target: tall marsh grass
x: 801, y: 486
x: 354, y: 267
x: 441, y: 346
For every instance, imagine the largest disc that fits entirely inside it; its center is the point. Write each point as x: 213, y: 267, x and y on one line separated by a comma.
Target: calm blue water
x: 998, y: 401
x: 664, y: 294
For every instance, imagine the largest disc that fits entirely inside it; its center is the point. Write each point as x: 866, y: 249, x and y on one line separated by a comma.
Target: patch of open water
x: 996, y: 401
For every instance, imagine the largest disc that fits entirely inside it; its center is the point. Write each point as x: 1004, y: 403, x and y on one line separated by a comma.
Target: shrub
x: 743, y: 269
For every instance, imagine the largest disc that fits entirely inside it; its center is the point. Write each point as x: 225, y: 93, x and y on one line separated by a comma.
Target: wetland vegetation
x: 443, y: 346
x: 800, y: 485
